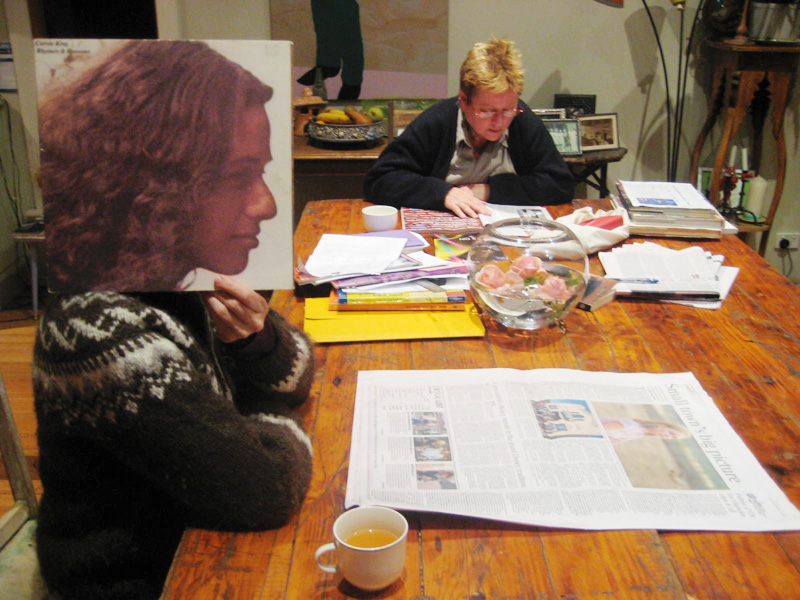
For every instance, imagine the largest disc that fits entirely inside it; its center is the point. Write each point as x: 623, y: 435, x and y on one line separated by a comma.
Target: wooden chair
x: 19, y: 568
x: 399, y: 118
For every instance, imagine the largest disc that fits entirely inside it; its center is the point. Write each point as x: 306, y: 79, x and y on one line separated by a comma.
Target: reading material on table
x: 417, y: 219
x: 653, y: 272
x: 660, y: 208
x: 558, y: 448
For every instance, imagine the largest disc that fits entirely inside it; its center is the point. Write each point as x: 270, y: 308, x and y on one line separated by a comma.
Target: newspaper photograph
x: 558, y: 448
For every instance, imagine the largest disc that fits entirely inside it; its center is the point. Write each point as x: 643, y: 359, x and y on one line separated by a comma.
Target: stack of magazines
x: 668, y: 209
x: 381, y: 273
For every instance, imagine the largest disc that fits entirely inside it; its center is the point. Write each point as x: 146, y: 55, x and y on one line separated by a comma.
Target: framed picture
x: 599, y: 132
x: 550, y: 113
x: 575, y: 105
x: 565, y: 134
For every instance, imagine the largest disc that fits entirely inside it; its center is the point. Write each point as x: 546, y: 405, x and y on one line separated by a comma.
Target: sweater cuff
x: 254, y: 346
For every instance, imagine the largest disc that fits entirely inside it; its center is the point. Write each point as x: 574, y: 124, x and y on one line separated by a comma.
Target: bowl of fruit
x: 347, y: 125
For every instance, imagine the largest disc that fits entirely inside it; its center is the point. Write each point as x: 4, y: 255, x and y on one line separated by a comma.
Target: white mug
x: 373, y: 568
x: 379, y: 218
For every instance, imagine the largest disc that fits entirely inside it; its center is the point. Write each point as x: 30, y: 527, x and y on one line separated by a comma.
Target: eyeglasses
x: 489, y: 114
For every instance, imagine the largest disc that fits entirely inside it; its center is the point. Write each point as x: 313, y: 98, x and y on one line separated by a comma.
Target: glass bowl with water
x: 527, y: 273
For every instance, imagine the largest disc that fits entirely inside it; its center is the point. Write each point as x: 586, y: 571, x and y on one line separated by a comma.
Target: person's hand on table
x: 464, y: 203
x: 237, y: 311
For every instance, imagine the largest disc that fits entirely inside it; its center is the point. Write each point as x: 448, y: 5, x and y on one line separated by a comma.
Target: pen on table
x: 659, y: 295
x: 634, y: 279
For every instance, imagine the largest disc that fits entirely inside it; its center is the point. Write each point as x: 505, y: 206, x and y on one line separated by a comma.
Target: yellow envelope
x: 325, y: 325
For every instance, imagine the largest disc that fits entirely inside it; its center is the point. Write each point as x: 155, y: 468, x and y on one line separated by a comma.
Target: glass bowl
x: 527, y: 273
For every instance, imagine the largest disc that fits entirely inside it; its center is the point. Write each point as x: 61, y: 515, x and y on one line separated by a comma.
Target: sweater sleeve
x: 134, y: 385
x: 276, y: 368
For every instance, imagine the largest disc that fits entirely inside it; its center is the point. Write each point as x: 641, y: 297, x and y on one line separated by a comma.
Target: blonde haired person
x: 484, y: 145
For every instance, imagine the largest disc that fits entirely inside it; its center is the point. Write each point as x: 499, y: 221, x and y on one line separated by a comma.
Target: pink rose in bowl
x: 554, y: 287
x: 491, y: 276
x: 512, y: 283
x: 528, y: 266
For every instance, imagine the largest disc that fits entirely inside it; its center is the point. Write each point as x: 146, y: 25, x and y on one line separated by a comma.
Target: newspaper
x: 558, y: 448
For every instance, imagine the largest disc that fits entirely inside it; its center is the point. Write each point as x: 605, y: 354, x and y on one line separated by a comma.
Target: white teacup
x: 371, y: 543
x: 379, y: 218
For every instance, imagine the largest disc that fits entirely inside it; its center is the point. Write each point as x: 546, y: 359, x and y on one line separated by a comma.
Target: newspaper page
x: 558, y: 448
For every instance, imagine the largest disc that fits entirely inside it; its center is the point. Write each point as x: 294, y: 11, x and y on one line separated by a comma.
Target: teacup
x: 379, y: 218
x: 371, y: 544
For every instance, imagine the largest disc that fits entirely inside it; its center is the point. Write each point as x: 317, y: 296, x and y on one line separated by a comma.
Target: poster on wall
x: 375, y: 49
x: 165, y: 163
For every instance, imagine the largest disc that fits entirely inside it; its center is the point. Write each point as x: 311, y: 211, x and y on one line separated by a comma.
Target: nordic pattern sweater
x: 147, y: 425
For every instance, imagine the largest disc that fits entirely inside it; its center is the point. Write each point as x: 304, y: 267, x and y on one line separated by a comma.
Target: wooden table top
x: 745, y: 355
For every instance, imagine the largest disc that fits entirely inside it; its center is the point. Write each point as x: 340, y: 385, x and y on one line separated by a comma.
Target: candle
x: 732, y: 161
x: 756, y: 195
x: 744, y: 159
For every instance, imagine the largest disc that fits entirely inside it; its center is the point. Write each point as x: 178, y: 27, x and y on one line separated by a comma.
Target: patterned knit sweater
x: 148, y: 424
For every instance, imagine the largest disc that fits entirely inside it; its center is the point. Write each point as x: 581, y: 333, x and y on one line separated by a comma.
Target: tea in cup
x: 371, y: 544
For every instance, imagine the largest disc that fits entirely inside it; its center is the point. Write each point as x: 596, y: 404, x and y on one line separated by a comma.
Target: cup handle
x: 322, y: 550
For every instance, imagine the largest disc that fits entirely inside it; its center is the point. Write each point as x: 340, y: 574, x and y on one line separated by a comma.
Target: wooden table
x: 745, y: 355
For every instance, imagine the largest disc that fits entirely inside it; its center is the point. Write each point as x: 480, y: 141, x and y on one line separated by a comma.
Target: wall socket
x: 793, y: 240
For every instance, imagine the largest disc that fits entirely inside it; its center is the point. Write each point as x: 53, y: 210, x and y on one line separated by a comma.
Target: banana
x: 357, y: 116
x: 333, y: 117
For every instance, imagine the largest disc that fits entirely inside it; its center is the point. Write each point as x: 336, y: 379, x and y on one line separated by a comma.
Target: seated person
x: 159, y: 410
x: 486, y: 145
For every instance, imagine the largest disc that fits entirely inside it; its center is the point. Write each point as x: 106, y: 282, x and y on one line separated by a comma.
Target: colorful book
x: 423, y: 300
x: 453, y: 245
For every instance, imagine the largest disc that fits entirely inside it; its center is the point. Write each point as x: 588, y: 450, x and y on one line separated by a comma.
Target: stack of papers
x: 650, y: 271
x: 660, y: 208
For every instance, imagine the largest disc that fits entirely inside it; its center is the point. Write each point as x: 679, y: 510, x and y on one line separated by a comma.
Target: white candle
x: 756, y: 195
x: 732, y: 161
x: 744, y: 159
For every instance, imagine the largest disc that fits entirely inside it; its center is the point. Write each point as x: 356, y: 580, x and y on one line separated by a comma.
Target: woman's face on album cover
x: 230, y: 217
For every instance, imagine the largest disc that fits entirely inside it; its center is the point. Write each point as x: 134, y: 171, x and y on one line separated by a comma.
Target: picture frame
x: 575, y: 105
x: 550, y: 113
x: 599, y: 132
x: 566, y: 135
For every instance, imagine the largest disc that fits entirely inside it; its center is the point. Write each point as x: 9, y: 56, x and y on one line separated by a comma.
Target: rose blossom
x: 528, y: 266
x: 554, y: 287
x: 513, y: 282
x: 491, y: 276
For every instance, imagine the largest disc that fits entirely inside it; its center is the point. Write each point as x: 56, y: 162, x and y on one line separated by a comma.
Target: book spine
x: 410, y: 297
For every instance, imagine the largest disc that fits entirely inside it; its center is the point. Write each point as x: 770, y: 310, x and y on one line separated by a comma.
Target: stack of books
x: 668, y: 209
x: 384, y: 273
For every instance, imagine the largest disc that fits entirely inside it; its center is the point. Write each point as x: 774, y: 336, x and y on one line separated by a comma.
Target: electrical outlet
x: 787, y: 241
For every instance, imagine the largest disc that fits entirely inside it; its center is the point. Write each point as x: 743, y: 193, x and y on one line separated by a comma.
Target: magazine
x: 422, y: 220
x: 558, y: 448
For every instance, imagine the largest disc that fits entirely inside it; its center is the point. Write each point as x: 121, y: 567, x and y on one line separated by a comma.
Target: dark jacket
x: 411, y: 170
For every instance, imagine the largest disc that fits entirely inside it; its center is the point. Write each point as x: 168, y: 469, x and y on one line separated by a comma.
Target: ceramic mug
x: 379, y: 218
x: 371, y: 544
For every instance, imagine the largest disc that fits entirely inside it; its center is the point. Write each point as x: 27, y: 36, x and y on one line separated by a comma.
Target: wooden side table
x: 755, y: 77
x: 594, y: 164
